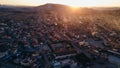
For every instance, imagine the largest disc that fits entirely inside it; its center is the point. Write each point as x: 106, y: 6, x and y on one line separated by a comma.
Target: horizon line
x: 56, y: 3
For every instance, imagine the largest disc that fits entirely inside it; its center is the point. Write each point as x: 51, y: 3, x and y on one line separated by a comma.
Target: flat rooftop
x: 62, y: 48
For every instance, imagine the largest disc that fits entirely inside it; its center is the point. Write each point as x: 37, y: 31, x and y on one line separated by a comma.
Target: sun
x: 74, y: 7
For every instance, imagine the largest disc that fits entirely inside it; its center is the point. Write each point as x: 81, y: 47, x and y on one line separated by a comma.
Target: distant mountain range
x: 8, y: 8
x: 49, y: 6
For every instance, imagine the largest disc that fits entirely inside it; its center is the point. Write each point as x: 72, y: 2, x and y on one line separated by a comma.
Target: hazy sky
x: 88, y: 3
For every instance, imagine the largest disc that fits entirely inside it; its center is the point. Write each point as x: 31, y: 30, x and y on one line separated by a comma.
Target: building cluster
x: 38, y: 43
